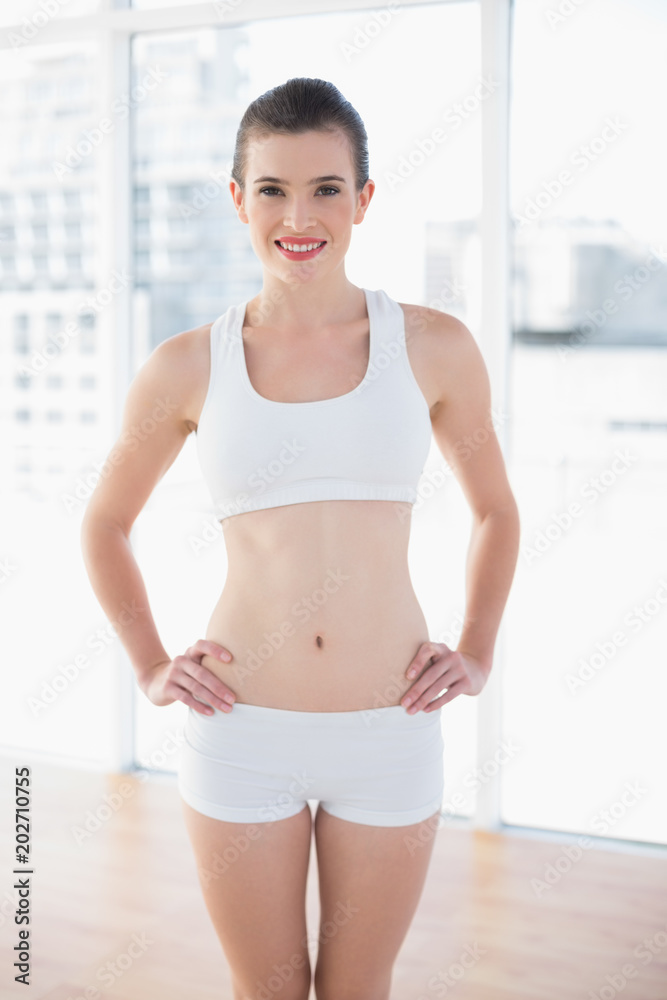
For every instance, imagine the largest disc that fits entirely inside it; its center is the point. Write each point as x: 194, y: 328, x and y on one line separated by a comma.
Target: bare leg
x: 254, y: 883
x: 370, y: 885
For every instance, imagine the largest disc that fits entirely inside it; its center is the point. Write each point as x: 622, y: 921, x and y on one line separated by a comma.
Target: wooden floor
x: 135, y: 876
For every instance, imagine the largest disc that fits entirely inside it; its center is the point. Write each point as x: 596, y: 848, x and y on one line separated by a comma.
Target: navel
x: 319, y: 640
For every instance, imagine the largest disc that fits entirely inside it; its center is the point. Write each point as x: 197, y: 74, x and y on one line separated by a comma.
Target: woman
x: 313, y: 423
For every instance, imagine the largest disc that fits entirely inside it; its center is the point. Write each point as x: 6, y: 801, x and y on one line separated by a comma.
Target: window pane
x: 29, y: 17
x: 57, y: 642
x: 419, y: 242
x: 585, y: 682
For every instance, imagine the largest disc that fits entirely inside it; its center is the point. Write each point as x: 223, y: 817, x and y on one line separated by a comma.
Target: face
x: 295, y: 207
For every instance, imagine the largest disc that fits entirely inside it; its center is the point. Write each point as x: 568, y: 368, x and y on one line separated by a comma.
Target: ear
x: 363, y: 201
x: 239, y: 200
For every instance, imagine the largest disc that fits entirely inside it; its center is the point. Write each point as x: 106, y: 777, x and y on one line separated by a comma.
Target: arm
x: 463, y: 429
x: 156, y: 423
x: 132, y: 469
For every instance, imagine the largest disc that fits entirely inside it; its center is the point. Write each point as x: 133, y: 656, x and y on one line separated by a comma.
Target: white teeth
x: 299, y: 248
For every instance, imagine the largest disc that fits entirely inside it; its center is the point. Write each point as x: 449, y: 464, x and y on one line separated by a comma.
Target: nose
x: 298, y: 215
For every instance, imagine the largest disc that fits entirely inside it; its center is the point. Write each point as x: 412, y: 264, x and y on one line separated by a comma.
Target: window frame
x: 112, y: 26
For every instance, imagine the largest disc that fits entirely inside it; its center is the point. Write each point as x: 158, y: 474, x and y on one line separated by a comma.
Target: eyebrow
x: 315, y: 180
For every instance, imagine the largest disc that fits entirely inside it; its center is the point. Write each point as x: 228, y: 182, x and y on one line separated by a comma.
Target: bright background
x: 582, y: 391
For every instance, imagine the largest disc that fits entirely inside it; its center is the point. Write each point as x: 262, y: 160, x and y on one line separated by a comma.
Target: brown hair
x: 302, y: 104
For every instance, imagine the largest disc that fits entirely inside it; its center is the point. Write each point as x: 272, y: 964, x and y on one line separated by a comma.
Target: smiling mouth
x: 300, y: 248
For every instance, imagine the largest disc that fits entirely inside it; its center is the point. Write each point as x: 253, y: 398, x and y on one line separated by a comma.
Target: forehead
x: 300, y: 156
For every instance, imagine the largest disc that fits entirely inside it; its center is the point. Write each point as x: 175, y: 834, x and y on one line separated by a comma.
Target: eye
x: 325, y: 187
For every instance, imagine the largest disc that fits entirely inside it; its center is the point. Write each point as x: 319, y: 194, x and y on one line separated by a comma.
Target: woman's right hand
x: 185, y: 679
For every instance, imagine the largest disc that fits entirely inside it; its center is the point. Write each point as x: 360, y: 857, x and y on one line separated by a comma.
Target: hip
x: 353, y: 661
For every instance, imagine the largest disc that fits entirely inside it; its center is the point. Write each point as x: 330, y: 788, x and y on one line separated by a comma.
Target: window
x: 589, y: 367
x: 21, y: 342
x: 45, y: 441
x: 72, y: 198
x: 587, y: 361
x: 39, y: 201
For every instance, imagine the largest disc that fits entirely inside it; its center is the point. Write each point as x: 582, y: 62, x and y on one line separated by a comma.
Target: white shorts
x: 256, y: 764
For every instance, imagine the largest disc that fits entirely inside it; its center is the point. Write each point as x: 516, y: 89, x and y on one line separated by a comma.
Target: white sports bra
x: 368, y: 444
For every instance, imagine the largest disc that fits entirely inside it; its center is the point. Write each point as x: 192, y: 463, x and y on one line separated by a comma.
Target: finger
x: 187, y: 699
x: 453, y: 692
x: 205, y: 685
x: 426, y: 652
x: 210, y: 648
x: 205, y: 695
x: 430, y: 685
x: 432, y: 675
x: 432, y: 694
x: 208, y: 680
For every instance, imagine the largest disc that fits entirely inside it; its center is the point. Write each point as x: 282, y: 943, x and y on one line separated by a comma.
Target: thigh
x: 371, y: 879
x: 253, y: 878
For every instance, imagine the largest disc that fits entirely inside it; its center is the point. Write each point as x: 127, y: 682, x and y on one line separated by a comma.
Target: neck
x: 306, y: 305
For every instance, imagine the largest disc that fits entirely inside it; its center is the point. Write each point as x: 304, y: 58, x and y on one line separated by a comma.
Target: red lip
x: 301, y: 255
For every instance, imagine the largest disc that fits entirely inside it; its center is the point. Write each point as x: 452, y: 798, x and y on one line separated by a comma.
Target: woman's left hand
x: 446, y: 668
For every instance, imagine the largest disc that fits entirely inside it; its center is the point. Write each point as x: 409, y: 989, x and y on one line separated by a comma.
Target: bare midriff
x: 318, y: 609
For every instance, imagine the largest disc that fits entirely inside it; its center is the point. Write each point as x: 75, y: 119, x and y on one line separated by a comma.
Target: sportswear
x: 368, y: 444
x: 257, y: 764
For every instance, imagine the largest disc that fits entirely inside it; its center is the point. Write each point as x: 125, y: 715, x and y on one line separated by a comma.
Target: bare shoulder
x: 182, y: 364
x: 443, y: 353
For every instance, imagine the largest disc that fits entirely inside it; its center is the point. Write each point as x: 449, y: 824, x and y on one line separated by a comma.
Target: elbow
x: 95, y: 526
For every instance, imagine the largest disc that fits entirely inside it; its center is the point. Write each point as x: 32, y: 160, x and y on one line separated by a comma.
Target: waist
x: 318, y: 609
